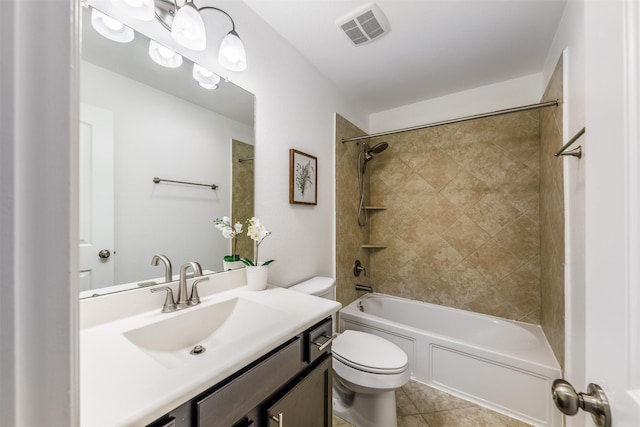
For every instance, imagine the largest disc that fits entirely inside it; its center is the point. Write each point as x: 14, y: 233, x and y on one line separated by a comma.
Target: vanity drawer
x: 318, y: 340
x: 235, y: 399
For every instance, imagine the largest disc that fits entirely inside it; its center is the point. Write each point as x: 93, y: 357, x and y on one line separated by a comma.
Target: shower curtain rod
x: 458, y: 120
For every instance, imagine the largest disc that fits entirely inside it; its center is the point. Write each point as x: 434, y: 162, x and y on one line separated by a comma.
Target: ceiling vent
x: 364, y: 25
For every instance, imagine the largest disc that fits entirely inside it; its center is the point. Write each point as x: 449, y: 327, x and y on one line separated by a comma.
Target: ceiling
x: 433, y: 48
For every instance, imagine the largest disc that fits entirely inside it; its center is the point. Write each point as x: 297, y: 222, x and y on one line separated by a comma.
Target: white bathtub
x: 500, y: 364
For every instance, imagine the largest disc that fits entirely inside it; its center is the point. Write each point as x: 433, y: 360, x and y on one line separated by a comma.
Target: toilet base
x: 367, y: 409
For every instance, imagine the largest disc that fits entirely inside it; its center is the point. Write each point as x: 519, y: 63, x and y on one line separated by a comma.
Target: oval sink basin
x: 185, y: 328
x: 218, y: 327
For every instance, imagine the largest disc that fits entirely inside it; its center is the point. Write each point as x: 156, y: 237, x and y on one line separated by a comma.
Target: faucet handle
x: 195, y: 298
x: 169, y: 302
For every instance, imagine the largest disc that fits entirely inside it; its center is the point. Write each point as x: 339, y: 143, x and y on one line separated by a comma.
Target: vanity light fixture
x: 205, y: 78
x: 163, y: 55
x: 187, y: 27
x: 110, y: 28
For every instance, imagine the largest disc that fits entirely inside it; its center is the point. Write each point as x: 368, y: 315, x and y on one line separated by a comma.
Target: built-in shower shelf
x: 371, y: 246
x: 375, y: 208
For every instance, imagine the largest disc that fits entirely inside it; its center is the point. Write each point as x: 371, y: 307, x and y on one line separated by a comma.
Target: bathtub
x: 500, y: 364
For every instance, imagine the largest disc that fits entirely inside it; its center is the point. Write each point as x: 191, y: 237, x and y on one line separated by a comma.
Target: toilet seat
x: 369, y: 353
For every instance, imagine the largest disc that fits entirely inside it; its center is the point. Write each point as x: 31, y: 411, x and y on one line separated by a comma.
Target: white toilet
x: 367, y: 369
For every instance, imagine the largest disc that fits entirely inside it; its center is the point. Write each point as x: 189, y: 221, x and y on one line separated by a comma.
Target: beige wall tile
x: 464, y: 216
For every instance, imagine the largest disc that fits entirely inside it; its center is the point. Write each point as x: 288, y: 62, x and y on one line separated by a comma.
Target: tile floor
x: 419, y: 405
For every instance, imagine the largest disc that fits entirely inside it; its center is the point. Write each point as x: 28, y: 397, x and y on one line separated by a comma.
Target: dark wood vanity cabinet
x: 289, y: 386
x: 307, y: 403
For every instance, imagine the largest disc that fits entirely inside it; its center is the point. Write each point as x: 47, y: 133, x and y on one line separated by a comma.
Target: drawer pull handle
x: 278, y: 419
x: 322, y: 345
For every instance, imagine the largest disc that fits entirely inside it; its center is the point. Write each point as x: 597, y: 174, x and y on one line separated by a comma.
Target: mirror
x: 141, y: 121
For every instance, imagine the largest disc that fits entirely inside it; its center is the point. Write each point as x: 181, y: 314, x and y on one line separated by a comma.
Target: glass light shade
x: 143, y: 10
x: 205, y: 78
x: 164, y: 56
x: 188, y: 28
x: 110, y: 28
x: 232, y: 55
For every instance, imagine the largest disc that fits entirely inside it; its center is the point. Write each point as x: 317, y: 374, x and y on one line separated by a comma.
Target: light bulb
x: 110, y: 28
x: 164, y: 56
x: 112, y: 24
x: 205, y: 78
x: 144, y: 10
x: 188, y: 28
x: 232, y: 55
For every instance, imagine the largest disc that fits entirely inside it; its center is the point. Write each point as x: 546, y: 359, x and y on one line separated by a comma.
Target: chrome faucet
x: 168, y: 272
x: 183, y: 298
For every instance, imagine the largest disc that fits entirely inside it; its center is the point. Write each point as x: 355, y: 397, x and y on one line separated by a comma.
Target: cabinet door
x: 308, y: 403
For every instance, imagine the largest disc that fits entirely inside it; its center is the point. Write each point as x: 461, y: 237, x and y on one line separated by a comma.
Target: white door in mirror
x: 96, y: 197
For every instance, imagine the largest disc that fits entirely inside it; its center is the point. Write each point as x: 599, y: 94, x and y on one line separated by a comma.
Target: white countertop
x: 121, y: 385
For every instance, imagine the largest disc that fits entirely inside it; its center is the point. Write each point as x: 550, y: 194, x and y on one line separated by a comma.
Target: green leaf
x: 248, y: 262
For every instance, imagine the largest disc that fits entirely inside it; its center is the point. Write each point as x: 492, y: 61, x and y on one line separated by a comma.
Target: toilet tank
x: 324, y: 287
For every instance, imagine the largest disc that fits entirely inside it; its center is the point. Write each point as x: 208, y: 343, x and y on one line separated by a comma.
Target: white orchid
x: 257, y: 232
x: 229, y: 232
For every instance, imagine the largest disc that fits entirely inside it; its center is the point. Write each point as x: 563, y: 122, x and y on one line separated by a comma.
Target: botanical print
x: 304, y: 176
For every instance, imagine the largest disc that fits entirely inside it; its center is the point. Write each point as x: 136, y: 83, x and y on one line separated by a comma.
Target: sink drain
x: 198, y: 350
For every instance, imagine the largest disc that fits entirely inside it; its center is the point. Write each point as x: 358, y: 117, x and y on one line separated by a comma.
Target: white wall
x: 498, y: 96
x: 38, y: 232
x: 175, y: 220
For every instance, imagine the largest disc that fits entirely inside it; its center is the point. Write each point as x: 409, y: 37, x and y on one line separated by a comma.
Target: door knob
x: 593, y: 401
x: 104, y: 254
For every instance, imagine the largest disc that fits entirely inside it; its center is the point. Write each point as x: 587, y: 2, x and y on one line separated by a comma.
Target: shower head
x: 369, y: 151
x: 367, y: 154
x: 378, y: 148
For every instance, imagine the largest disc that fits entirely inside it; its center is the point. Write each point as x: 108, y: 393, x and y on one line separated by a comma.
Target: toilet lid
x: 368, y: 352
x: 315, y: 286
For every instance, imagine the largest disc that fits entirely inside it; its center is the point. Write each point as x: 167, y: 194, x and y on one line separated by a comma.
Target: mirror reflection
x: 140, y: 121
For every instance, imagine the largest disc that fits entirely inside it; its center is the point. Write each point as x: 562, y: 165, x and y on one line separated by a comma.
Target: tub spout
x: 364, y: 288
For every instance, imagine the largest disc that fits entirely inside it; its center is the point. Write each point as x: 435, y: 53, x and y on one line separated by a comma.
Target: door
x: 307, y: 403
x: 96, y: 198
x: 607, y: 333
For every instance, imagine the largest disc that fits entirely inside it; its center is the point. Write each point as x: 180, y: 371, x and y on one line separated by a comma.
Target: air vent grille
x: 364, y: 25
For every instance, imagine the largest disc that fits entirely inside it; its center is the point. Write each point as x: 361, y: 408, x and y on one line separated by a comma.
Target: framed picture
x: 303, y: 178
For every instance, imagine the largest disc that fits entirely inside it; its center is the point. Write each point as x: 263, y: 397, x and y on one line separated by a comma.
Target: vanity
x: 238, y: 358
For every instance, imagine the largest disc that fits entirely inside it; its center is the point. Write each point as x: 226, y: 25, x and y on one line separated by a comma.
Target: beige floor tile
x: 428, y: 399
x: 419, y: 405
x: 339, y: 422
x: 470, y: 417
x: 404, y: 405
x: 412, y: 421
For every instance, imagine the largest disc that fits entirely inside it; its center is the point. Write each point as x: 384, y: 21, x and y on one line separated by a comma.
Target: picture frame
x: 303, y: 178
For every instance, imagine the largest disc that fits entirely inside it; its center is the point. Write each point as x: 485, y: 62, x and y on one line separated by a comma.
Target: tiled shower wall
x: 242, y: 191
x: 461, y: 223
x: 552, y: 218
x: 349, y: 236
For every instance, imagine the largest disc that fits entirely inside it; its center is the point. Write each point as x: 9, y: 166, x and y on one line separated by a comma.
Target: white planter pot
x: 232, y: 265
x: 257, y: 277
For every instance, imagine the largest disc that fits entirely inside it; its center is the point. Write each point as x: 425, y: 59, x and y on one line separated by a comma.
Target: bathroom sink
x: 185, y: 328
x: 215, y: 327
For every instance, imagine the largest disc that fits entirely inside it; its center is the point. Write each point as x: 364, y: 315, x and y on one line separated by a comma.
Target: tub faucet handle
x: 358, y: 268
